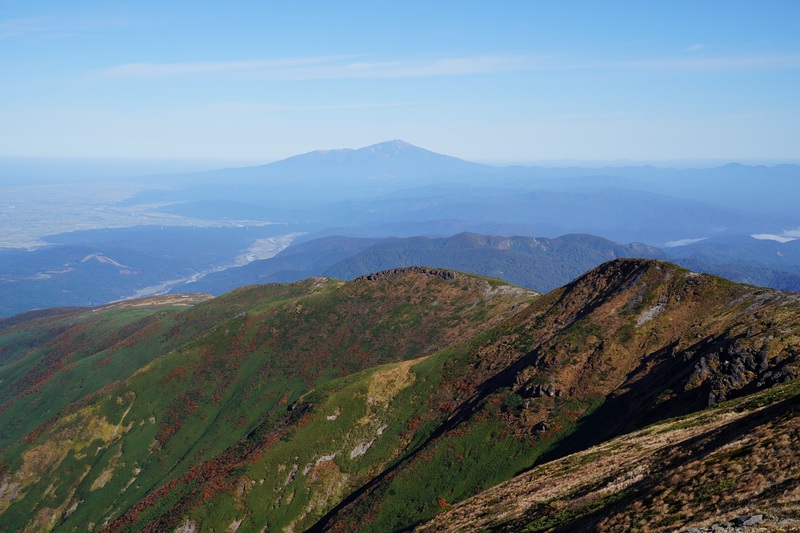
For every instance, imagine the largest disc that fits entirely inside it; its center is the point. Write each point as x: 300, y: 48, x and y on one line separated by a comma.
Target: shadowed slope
x: 627, y: 344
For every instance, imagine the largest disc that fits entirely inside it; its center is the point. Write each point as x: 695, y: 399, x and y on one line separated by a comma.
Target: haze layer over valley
x: 91, y: 242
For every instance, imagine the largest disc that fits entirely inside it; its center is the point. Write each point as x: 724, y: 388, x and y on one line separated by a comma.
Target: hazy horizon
x: 44, y: 168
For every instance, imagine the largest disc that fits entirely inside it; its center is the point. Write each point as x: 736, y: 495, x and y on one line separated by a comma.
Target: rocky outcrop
x: 385, y: 274
x: 629, y: 344
x: 731, y: 366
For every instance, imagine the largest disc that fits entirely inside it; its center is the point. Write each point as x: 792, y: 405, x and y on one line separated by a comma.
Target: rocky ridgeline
x: 385, y: 274
x: 598, y: 392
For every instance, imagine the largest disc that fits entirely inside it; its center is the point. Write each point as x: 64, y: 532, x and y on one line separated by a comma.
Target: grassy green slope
x: 375, y: 405
x: 219, y: 391
x: 388, y: 448
x: 61, y: 359
x: 629, y: 343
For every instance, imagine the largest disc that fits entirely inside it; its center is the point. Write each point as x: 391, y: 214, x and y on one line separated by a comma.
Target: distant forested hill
x: 535, y: 263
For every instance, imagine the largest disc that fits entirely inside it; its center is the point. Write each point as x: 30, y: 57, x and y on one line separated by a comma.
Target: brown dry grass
x: 699, y: 470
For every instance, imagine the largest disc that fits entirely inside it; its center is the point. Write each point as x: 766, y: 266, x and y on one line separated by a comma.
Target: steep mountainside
x: 725, y: 468
x: 135, y: 411
x: 377, y: 404
x: 626, y: 345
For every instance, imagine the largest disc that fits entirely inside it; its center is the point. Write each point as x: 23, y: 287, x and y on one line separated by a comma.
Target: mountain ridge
x: 536, y: 263
x: 377, y: 403
x: 154, y: 350
x: 388, y: 160
x: 547, y: 377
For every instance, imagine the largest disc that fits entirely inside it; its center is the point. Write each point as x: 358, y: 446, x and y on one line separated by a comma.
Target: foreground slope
x: 124, y: 415
x: 628, y: 344
x: 730, y: 465
x: 377, y: 404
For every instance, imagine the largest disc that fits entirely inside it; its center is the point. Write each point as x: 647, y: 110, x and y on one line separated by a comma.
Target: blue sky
x: 496, y: 81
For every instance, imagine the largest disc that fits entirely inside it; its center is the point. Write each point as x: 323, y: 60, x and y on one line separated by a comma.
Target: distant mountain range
x: 95, y: 267
x: 393, y: 204
x: 321, y: 176
x: 536, y: 263
x: 378, y: 190
x: 391, y: 160
x: 540, y: 264
x: 639, y: 395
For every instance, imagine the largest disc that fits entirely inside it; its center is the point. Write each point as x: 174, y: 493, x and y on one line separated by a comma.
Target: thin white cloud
x: 441, y: 67
x: 150, y: 70
x: 785, y: 236
x: 682, y: 242
x: 321, y: 68
x: 246, y: 107
x: 347, y: 67
x: 771, y: 237
x: 23, y: 26
x: 695, y: 47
